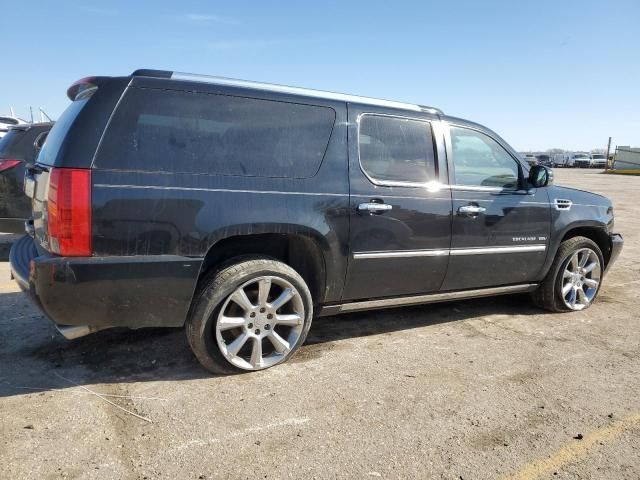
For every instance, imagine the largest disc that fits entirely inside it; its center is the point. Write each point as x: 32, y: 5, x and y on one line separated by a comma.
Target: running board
x: 423, y: 299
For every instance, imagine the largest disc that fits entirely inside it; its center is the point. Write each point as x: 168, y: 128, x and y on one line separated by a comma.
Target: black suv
x: 241, y: 210
x: 18, y: 147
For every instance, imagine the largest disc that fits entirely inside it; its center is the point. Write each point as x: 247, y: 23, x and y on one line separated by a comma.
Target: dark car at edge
x: 243, y: 210
x: 18, y: 147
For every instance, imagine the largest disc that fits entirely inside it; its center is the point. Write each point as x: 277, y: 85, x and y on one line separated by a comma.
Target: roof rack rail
x: 272, y: 87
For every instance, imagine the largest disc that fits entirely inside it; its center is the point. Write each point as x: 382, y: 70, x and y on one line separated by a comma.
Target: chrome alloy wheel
x: 581, y: 278
x: 260, y: 322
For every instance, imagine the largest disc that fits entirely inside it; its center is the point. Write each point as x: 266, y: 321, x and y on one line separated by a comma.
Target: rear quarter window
x: 202, y: 133
x: 56, y: 137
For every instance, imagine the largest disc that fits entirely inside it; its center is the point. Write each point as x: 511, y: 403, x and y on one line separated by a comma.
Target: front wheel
x: 251, y: 315
x: 574, y: 279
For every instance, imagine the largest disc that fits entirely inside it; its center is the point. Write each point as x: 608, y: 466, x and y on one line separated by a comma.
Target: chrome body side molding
x: 453, y: 251
x: 402, y: 254
x: 425, y: 299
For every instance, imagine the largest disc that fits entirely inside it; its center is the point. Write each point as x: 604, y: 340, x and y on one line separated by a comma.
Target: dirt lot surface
x: 481, y: 389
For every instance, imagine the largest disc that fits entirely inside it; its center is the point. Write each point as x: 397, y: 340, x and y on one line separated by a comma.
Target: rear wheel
x: 251, y: 315
x: 574, y: 279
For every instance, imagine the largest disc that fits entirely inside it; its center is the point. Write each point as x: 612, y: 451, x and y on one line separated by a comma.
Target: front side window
x: 395, y: 149
x: 480, y: 161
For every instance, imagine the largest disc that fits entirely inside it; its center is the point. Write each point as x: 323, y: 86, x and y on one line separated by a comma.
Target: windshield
x: 597, y: 156
x: 49, y: 152
x: 580, y: 155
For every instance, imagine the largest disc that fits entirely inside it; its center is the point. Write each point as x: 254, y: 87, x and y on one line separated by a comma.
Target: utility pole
x: 608, y: 150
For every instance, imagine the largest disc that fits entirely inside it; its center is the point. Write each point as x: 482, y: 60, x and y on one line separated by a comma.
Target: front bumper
x: 617, y: 242
x: 94, y: 293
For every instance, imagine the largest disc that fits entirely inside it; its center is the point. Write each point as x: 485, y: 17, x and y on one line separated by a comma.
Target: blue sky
x: 541, y: 73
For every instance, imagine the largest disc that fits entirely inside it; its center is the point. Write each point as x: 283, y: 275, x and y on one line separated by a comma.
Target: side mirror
x: 540, y: 176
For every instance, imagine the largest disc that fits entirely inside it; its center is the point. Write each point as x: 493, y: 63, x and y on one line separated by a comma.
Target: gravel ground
x: 490, y: 388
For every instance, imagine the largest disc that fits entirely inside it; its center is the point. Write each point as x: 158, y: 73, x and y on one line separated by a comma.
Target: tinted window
x: 480, y: 161
x: 396, y: 149
x: 56, y: 136
x: 188, y: 132
x: 18, y: 143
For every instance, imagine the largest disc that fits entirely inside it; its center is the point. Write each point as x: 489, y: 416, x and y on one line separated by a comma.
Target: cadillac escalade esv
x: 242, y: 210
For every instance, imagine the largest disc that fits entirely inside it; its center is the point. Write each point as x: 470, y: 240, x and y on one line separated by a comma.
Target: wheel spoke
x: 566, y: 274
x: 292, y: 319
x: 285, y: 296
x: 227, y: 323
x: 573, y: 263
x: 591, y: 283
x: 566, y: 289
x: 590, y: 267
x: 572, y: 297
x: 279, y: 343
x: 583, y: 297
x: 256, y: 353
x: 240, y: 298
x: 584, y: 259
x: 234, y: 347
x: 264, y: 286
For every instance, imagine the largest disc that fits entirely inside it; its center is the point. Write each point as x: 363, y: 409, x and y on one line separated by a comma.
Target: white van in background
x: 561, y: 160
x: 581, y: 159
x: 598, y: 160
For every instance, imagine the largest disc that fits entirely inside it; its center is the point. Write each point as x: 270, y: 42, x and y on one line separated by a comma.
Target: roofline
x: 271, y: 87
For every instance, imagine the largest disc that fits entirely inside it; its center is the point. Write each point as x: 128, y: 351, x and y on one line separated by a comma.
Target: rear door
x: 400, y: 217
x: 500, y: 228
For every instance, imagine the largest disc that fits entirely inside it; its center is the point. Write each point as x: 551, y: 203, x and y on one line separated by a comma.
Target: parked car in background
x: 598, y: 160
x: 243, y: 210
x: 18, y: 147
x: 531, y: 159
x: 581, y: 160
x: 544, y: 160
x: 561, y: 160
x: 7, y: 122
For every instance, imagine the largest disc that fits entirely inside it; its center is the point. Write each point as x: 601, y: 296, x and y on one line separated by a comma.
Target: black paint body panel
x: 152, y: 231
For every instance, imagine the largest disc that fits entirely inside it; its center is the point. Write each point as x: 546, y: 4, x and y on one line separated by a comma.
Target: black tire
x: 548, y: 295
x: 212, y: 293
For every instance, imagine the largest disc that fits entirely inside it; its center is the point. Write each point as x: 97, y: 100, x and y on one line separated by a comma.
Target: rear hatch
x: 59, y: 183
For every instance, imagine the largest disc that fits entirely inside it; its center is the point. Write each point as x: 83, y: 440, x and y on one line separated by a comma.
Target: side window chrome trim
x: 431, y: 186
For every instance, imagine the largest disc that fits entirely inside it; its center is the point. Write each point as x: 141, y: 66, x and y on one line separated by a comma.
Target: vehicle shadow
x: 35, y: 357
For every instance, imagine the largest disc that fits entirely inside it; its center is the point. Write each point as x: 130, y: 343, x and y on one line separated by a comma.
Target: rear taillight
x: 6, y: 164
x: 69, y: 212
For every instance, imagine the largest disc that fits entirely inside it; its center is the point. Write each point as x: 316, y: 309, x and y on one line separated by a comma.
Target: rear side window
x: 190, y: 132
x: 51, y: 147
x: 395, y: 149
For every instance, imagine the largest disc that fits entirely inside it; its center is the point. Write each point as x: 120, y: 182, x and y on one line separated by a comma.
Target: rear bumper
x: 617, y: 242
x: 101, y: 292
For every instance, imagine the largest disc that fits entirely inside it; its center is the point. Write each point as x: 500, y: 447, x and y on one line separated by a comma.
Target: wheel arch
x: 596, y: 233
x: 303, y: 249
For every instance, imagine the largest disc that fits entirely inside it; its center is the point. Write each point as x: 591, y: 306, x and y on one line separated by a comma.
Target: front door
x: 500, y: 228
x: 400, y: 219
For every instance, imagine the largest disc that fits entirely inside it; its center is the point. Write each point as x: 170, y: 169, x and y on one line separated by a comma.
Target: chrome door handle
x: 374, y: 207
x: 471, y: 210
